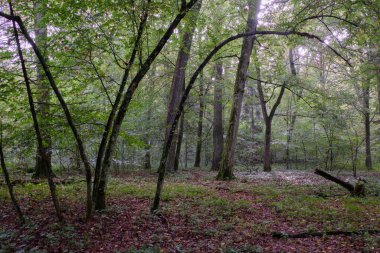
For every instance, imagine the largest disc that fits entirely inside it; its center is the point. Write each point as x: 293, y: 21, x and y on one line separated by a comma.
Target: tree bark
x: 267, y: 150
x: 147, y: 157
x: 200, y: 125
x: 367, y: 126
x: 179, y: 143
x: 217, y: 131
x: 228, y: 156
x: 43, y: 153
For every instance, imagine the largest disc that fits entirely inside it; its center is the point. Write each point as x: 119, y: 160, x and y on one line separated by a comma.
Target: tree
x: 43, y: 156
x: 268, y: 117
x: 217, y: 130
x: 228, y: 156
x: 37, y: 130
x: 198, y: 149
x: 179, y: 80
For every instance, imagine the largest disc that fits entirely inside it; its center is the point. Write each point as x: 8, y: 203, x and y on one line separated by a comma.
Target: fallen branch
x: 326, y: 233
x: 356, y: 190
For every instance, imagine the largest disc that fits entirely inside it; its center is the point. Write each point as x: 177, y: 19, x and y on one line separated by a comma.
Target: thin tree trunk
x: 43, y: 152
x: 200, y: 125
x: 186, y: 151
x: 268, y: 118
x: 179, y: 143
x: 7, y: 179
x: 100, y: 202
x: 293, y: 113
x: 217, y: 131
x: 228, y: 156
x: 111, y: 118
x: 367, y: 122
x: 63, y: 104
x: 147, y: 157
x: 35, y: 123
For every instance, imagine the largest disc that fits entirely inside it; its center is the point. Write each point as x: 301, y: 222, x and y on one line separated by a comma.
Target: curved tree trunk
x: 100, y: 201
x: 63, y: 105
x: 228, y: 156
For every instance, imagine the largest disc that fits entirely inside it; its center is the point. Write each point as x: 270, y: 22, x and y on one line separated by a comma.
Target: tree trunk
x: 43, y: 153
x: 293, y: 113
x: 100, y: 201
x: 198, y: 151
x: 179, y: 143
x: 228, y: 156
x: 267, y: 150
x: 7, y: 179
x: 342, y: 183
x: 178, y: 82
x: 268, y: 117
x: 37, y: 130
x: 217, y: 131
x: 63, y: 105
x: 179, y: 137
x: 367, y: 121
x: 147, y: 164
x: 101, y: 161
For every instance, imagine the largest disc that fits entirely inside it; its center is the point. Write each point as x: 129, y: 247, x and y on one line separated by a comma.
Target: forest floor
x: 199, y: 214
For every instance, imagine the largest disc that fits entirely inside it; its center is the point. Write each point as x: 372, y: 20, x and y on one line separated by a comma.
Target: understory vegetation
x: 199, y: 214
x: 189, y: 126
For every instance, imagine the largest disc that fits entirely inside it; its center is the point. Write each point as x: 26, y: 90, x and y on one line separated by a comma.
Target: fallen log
x: 325, y: 233
x: 356, y: 190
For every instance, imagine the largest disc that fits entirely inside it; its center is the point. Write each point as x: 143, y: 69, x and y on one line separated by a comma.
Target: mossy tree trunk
x: 228, y: 156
